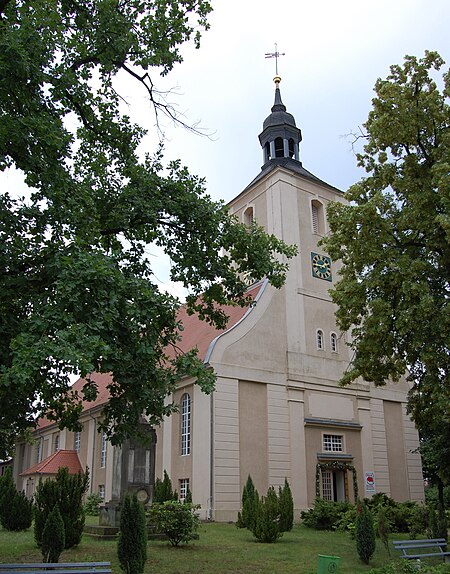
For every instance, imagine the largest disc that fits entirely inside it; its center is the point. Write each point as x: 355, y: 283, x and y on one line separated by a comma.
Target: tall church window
x: 103, y: 451
x: 333, y: 343
x: 56, y: 443
x: 183, y: 488
x: 39, y: 449
x: 317, y: 217
x: 77, y: 441
x: 320, y: 340
x: 185, y: 424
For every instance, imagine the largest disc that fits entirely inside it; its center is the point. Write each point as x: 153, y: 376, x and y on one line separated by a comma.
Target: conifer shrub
x: 383, y: 528
x: 163, y: 489
x: 177, y: 520
x: 53, y: 536
x: 250, y: 500
x: 92, y: 504
x: 16, y: 510
x: 267, y: 526
x: 286, y: 507
x: 133, y: 536
x: 364, y: 533
x: 325, y: 514
x: 67, y: 491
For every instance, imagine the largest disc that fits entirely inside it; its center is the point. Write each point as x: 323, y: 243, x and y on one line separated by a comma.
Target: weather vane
x: 275, y: 55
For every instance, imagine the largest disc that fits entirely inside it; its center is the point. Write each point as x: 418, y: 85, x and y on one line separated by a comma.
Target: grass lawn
x: 221, y: 549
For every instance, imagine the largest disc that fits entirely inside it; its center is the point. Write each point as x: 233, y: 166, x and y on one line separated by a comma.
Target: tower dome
x: 280, y: 137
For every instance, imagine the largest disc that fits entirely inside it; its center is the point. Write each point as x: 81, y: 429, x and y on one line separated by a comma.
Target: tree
x: 286, y: 507
x: 364, y: 533
x: 66, y: 491
x: 163, y: 489
x: 133, y: 536
x: 393, y: 238
x: 53, y: 536
x: 77, y: 287
x: 250, y: 501
x: 16, y: 510
x: 267, y: 518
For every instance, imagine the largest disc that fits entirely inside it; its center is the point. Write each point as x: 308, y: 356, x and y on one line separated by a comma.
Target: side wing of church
x: 277, y: 411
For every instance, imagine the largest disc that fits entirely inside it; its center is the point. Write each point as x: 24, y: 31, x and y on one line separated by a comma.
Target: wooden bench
x: 57, y: 568
x: 433, y: 547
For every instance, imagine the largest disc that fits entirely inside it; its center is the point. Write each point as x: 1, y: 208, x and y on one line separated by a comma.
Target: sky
x: 334, y: 53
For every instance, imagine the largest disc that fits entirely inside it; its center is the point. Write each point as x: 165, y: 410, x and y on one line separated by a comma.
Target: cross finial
x: 275, y: 55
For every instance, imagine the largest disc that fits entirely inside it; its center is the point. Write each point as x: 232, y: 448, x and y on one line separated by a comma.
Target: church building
x: 277, y: 411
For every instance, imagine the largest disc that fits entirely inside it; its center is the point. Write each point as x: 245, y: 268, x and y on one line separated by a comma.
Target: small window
x: 184, y: 488
x: 56, y: 443
x: 101, y: 491
x: 291, y: 147
x: 185, y: 424
x: 333, y: 443
x: 248, y: 216
x: 333, y: 343
x: 103, y: 451
x: 77, y: 441
x: 319, y: 340
x: 317, y: 217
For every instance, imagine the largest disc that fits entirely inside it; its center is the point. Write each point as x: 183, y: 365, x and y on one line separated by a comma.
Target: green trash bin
x: 328, y: 564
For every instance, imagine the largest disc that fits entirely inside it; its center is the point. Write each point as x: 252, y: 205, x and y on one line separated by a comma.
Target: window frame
x: 183, y: 487
x: 103, y: 450
x: 186, y: 423
x: 77, y: 441
x: 320, y: 340
x: 333, y: 342
x: 332, y: 441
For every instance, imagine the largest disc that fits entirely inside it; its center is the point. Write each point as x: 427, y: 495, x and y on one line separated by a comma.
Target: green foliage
x: 16, y: 510
x: 325, y: 514
x: 431, y: 495
x: 177, y: 520
x: 163, y: 489
x: 286, y: 507
x: 364, y: 533
x: 133, y: 536
x: 77, y: 290
x: 53, y: 536
x: 267, y: 526
x: 250, y: 501
x: 383, y: 528
x: 66, y: 491
x: 438, y: 522
x: 394, y: 242
x: 92, y: 504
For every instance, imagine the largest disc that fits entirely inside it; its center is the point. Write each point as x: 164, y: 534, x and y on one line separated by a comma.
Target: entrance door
x: 334, y: 486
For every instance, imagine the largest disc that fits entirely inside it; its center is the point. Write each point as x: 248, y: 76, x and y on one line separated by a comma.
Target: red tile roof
x: 59, y: 459
x: 196, y: 333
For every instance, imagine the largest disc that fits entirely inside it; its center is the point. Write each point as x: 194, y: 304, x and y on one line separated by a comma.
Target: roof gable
x: 59, y: 459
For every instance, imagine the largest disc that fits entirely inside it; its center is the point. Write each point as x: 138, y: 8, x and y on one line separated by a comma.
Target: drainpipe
x: 211, y: 460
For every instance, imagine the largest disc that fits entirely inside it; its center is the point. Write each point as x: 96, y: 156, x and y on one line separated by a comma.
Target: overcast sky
x: 334, y: 52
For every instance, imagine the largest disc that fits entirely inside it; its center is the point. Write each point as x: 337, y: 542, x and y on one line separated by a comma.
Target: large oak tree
x: 77, y: 291
x: 394, y: 242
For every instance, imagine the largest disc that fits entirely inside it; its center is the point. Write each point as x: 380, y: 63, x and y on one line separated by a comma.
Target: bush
x: 267, y: 527
x: 92, y: 504
x: 133, y: 536
x: 325, y: 515
x: 431, y: 496
x: 163, y: 490
x: 286, y: 507
x: 347, y: 521
x: 53, y: 537
x: 364, y: 533
x: 16, y: 510
x: 67, y: 491
x: 383, y: 528
x: 177, y: 520
x: 250, y: 499
x: 18, y: 513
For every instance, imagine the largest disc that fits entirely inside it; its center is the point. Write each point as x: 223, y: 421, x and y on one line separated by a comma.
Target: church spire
x: 280, y: 137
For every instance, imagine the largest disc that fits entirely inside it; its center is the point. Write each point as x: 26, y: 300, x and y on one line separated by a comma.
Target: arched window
x: 291, y: 147
x: 248, y: 216
x: 333, y: 343
x: 320, y: 340
x: 185, y: 424
x: 103, y: 450
x: 56, y: 442
x: 317, y: 217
